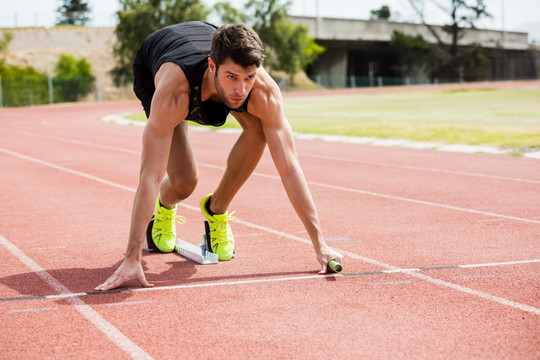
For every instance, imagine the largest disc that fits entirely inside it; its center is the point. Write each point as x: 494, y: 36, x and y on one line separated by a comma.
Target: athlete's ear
x: 211, y: 65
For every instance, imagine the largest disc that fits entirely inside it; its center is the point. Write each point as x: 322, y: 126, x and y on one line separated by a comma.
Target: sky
x: 508, y: 15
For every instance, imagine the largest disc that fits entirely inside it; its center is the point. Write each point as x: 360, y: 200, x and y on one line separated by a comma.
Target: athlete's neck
x: 209, y: 87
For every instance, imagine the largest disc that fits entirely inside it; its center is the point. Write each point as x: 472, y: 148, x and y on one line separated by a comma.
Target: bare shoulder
x: 171, y: 76
x: 170, y: 103
x: 265, y: 101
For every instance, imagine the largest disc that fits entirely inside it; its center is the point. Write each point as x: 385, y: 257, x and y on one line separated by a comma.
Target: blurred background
x: 75, y: 50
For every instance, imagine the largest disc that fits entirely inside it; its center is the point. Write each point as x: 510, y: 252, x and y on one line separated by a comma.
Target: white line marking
x: 477, y: 293
x: 500, y: 263
x: 423, y: 202
x: 128, y: 303
x: 392, y: 283
x: 420, y: 168
x: 61, y: 168
x: 399, y: 198
x: 410, y: 272
x: 111, y: 332
x: 325, y: 157
x: 34, y: 310
x: 71, y: 141
x: 350, y: 254
x: 473, y: 276
x: 269, y: 280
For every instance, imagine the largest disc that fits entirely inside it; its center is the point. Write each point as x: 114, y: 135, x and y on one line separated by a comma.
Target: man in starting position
x: 193, y: 71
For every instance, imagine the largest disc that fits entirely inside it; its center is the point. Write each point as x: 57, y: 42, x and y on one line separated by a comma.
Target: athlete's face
x: 233, y: 82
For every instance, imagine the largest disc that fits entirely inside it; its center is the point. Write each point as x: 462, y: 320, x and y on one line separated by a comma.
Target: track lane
x: 357, y: 296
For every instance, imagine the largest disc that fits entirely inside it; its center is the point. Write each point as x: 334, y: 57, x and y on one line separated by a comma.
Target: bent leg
x: 182, y: 174
x: 242, y: 160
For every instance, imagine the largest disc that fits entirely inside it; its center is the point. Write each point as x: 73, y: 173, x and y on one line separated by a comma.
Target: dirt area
x: 41, y: 48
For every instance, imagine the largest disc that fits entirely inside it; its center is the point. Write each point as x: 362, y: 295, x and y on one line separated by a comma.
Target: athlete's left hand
x: 325, y: 255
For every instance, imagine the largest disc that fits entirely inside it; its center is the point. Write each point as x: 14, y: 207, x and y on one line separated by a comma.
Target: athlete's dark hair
x: 237, y: 42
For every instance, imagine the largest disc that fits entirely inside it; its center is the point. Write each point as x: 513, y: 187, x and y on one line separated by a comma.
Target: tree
x: 382, y: 14
x: 139, y: 18
x: 416, y: 56
x: 73, y: 12
x: 288, y: 46
x: 73, y: 79
x: 228, y: 14
x: 463, y: 14
x: 22, y: 86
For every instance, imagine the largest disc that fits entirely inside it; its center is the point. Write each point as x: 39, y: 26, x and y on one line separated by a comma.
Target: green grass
x: 506, y: 118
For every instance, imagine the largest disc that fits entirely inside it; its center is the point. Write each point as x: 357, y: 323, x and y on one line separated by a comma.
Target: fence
x: 41, y: 90
x: 36, y: 90
x: 49, y: 18
x: 337, y: 82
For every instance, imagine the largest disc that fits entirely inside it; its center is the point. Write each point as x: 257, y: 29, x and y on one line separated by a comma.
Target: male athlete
x: 193, y: 71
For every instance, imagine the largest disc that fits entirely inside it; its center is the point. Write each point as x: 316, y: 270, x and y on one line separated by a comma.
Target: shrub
x: 23, y: 86
x: 73, y: 79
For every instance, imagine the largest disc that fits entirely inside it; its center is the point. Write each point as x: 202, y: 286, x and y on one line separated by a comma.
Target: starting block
x: 196, y: 253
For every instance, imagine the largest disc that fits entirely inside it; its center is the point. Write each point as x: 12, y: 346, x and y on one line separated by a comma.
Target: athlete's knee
x: 184, y: 186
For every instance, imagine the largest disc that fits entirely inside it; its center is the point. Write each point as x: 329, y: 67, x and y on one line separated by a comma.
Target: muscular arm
x: 169, y: 107
x: 267, y: 104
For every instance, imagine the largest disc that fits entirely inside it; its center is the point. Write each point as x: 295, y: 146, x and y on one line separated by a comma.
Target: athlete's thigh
x: 182, y: 165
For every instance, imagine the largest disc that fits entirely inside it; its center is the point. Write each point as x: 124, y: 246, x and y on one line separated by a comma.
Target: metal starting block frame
x: 196, y: 253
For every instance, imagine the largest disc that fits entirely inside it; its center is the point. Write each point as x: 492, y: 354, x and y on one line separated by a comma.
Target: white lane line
x: 411, y: 272
x: 350, y: 254
x: 34, y: 310
x: 399, y: 198
x: 480, y: 294
x: 391, y: 283
x: 72, y: 141
x: 500, y: 263
x: 70, y: 171
x: 123, y: 303
x: 419, y: 168
x: 473, y: 277
x: 111, y: 332
x: 255, y: 281
x: 325, y: 157
x: 428, y: 203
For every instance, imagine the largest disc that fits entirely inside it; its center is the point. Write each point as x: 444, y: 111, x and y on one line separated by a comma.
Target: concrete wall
x: 365, y: 45
x: 331, y: 67
x: 380, y: 30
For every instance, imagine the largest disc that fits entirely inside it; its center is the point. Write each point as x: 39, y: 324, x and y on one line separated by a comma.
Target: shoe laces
x: 168, y: 221
x: 220, y: 227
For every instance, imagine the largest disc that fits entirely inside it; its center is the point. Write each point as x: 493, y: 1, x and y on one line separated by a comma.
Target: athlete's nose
x: 240, y: 89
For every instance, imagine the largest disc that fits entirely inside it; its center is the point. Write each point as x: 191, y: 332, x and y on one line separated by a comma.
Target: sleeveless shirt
x: 187, y: 45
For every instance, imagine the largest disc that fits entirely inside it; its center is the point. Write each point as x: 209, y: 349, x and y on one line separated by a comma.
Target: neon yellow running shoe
x: 162, y: 228
x: 218, y: 232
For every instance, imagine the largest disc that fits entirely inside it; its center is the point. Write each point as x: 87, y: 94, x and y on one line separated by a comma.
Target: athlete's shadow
x: 81, y: 282
x: 48, y: 284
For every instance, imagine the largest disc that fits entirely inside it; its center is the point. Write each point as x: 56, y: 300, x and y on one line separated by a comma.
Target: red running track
x: 442, y: 252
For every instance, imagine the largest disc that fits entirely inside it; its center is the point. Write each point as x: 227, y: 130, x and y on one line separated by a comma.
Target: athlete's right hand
x: 128, y: 270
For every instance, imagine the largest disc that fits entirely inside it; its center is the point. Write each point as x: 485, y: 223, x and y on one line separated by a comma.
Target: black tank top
x: 187, y: 45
